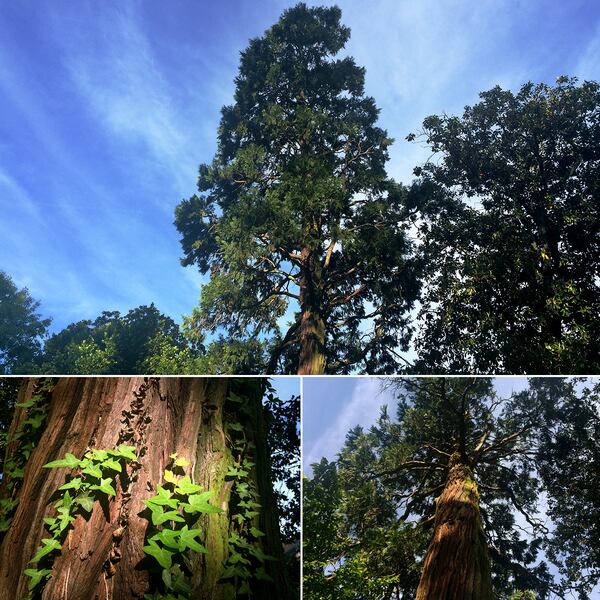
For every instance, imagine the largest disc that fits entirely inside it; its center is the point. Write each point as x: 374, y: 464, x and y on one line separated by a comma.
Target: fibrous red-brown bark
x: 457, y: 565
x: 102, y: 556
x: 311, y: 332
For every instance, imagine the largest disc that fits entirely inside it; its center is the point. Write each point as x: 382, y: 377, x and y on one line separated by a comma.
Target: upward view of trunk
x: 457, y: 565
x: 311, y: 333
x: 102, y: 556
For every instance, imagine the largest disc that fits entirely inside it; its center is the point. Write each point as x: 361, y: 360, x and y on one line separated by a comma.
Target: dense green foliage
x: 9, y: 388
x: 110, y: 344
x: 22, y: 329
x: 295, y: 215
x: 368, y: 516
x: 512, y: 233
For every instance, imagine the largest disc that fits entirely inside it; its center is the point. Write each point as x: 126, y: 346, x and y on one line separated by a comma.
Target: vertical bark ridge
x: 457, y: 565
x: 311, y: 332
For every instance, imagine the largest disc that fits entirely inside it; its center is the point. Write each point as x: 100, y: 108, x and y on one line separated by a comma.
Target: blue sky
x: 331, y: 406
x: 107, y: 108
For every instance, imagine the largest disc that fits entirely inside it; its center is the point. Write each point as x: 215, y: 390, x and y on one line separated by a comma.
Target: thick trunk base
x: 457, y: 565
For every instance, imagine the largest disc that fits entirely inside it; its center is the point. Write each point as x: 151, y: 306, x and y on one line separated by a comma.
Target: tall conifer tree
x: 296, y: 214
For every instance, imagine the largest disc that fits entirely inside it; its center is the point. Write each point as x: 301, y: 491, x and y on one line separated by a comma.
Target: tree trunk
x: 206, y: 421
x: 457, y: 565
x: 312, y: 327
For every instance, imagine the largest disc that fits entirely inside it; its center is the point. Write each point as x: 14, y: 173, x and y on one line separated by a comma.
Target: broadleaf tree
x: 22, y: 328
x: 511, y: 232
x: 296, y: 220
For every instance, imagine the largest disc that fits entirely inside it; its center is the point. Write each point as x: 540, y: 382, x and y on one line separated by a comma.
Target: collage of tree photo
x: 300, y: 300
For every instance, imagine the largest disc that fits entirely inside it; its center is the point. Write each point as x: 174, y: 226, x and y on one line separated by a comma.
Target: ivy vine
x: 26, y: 438
x: 172, y: 538
x: 245, y: 560
x: 93, y: 479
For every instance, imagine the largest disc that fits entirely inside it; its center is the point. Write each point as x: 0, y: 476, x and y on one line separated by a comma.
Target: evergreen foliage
x: 295, y: 217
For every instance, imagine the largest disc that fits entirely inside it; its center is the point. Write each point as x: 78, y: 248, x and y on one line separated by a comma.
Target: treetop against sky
x: 107, y: 113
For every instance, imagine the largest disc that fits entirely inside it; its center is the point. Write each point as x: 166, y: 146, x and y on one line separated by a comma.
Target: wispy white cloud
x: 363, y: 408
x: 117, y: 74
x: 431, y: 56
x: 588, y: 66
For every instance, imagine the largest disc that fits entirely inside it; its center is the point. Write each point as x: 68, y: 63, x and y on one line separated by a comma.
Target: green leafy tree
x: 343, y: 559
x: 461, y: 477
x: 22, y: 328
x: 113, y: 343
x: 295, y: 217
x: 511, y: 230
x: 91, y: 359
x: 569, y: 464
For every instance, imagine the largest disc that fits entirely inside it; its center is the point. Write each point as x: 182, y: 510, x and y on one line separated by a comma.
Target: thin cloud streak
x: 362, y: 409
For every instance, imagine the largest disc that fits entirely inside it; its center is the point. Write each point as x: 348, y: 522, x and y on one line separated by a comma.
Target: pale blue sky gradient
x: 107, y: 108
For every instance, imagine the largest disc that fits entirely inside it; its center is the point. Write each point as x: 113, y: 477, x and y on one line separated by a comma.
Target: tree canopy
x: 296, y: 218
x: 511, y: 230
x: 526, y: 462
x: 112, y: 343
x: 22, y: 328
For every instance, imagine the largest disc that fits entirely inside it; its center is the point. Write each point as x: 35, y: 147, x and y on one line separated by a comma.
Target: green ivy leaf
x: 27, y: 404
x: 161, y: 517
x: 75, y: 484
x: 258, y: 553
x: 187, y: 540
x: 98, y: 455
x: 127, y: 452
x: 186, y: 487
x: 105, y: 487
x: 182, y: 462
x: 115, y: 465
x: 256, y: 532
x: 170, y: 477
x: 235, y: 426
x: 93, y: 470
x: 36, y: 576
x: 69, y: 461
x: 199, y: 503
x: 49, y: 545
x: 167, y: 537
x: 167, y: 579
x: 86, y: 501
x: 35, y: 420
x: 164, y: 557
x: 162, y: 498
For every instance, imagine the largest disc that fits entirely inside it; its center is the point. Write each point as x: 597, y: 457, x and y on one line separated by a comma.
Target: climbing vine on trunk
x: 167, y: 479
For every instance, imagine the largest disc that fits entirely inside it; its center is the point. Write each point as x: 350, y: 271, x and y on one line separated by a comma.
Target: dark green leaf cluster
x: 22, y: 329
x: 111, y: 343
x: 511, y: 232
x: 21, y: 442
x: 344, y: 558
x: 283, y: 439
x: 173, y: 539
x: 245, y: 559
